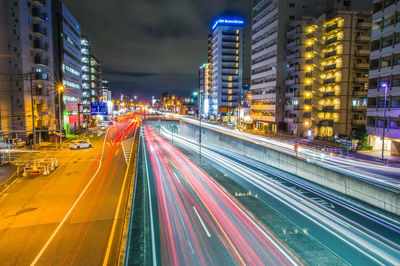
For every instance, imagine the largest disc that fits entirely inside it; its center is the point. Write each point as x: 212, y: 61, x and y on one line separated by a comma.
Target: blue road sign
x: 98, y: 108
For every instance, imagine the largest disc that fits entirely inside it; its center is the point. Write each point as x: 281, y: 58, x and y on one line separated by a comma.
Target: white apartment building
x: 227, y: 67
x: 384, y: 77
x: 269, y: 27
x: 26, y: 40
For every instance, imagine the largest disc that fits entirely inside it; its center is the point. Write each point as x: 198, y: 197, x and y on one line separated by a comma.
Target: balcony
x: 326, y: 123
x: 362, y: 66
x: 359, y: 108
x: 332, y: 53
x: 292, y: 94
x: 361, y: 79
x: 263, y: 107
x: 39, y: 60
x: 363, y: 52
x: 364, y: 25
x: 40, y: 76
x: 330, y: 108
x: 39, y: 30
x: 40, y: 92
x: 292, y: 107
x: 358, y: 122
x: 330, y: 67
x: 263, y: 118
x: 328, y: 81
x: 362, y: 93
x: 291, y: 120
x: 331, y: 28
x: 40, y: 46
x: 363, y: 38
x: 332, y: 40
x: 39, y: 2
x: 329, y: 94
x: 36, y: 14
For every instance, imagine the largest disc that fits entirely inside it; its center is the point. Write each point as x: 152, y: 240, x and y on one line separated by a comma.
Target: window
x: 386, y: 61
x: 292, y: 5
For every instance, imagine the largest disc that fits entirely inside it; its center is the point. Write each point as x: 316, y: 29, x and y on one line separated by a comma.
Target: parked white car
x: 80, y: 144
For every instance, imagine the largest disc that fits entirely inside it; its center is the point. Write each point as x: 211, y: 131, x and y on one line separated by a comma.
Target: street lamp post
x: 60, y: 90
x: 33, y: 112
x: 385, y: 86
x: 197, y: 93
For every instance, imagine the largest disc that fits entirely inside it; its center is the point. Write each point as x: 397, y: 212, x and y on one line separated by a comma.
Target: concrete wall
x: 376, y: 196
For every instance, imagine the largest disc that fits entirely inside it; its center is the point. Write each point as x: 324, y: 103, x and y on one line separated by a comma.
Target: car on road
x: 80, y: 144
x: 12, y: 144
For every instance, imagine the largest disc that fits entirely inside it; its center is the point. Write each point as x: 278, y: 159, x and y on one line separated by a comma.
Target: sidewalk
x: 377, y: 156
x: 6, y: 171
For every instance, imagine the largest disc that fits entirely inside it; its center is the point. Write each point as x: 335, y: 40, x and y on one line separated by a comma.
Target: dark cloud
x: 151, y: 46
x: 129, y: 74
x: 167, y: 28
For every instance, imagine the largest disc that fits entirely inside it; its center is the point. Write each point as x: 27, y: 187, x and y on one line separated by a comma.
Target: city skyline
x: 161, y: 52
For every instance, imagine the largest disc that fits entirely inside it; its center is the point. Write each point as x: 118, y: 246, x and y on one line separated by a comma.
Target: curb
x: 128, y: 209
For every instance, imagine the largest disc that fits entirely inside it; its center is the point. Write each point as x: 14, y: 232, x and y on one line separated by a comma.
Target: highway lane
x: 373, y: 172
x: 355, y: 232
x: 199, y: 222
x: 68, y: 216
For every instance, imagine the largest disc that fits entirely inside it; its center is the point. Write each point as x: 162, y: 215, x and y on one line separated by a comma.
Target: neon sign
x: 228, y: 22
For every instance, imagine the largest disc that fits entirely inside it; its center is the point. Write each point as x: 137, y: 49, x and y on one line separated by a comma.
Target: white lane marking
x: 201, y: 221
x: 153, y: 241
x: 177, y: 178
x: 114, y: 226
x: 70, y: 210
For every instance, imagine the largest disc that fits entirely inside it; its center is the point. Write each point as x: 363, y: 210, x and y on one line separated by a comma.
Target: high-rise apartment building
x: 205, y: 87
x: 27, y: 67
x: 327, y: 66
x: 227, y: 65
x: 269, y: 27
x: 86, y: 99
x: 67, y: 64
x: 91, y: 75
x: 383, y: 114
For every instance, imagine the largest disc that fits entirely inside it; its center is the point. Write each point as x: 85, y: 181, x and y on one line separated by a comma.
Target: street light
x: 197, y: 93
x: 60, y: 90
x: 385, y: 87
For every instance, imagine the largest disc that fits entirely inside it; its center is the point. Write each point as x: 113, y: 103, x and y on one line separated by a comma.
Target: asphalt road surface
x: 74, y: 215
x: 199, y: 222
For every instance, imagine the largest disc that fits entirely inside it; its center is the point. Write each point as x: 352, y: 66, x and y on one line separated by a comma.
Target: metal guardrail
x: 40, y: 166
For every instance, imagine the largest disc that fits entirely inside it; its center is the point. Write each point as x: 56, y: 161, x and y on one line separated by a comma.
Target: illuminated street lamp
x: 385, y: 86
x: 196, y: 93
x: 60, y: 90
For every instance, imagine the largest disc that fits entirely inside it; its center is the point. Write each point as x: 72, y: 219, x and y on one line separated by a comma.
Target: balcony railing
x: 333, y: 53
x: 36, y: 14
x: 40, y: 45
x: 40, y: 76
x: 39, y: 30
x: 39, y: 2
x: 39, y: 60
x: 359, y: 122
x: 364, y: 38
x: 333, y: 27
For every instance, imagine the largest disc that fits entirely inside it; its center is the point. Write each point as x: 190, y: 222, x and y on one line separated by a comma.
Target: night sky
x: 151, y: 46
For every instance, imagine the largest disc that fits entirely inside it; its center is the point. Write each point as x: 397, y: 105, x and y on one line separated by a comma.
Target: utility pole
x: 79, y: 120
x: 199, y: 124
x: 385, y: 86
x: 33, y: 112
x: 60, y: 90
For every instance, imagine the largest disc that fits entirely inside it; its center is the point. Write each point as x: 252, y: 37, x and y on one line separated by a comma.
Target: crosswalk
x: 127, y: 148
